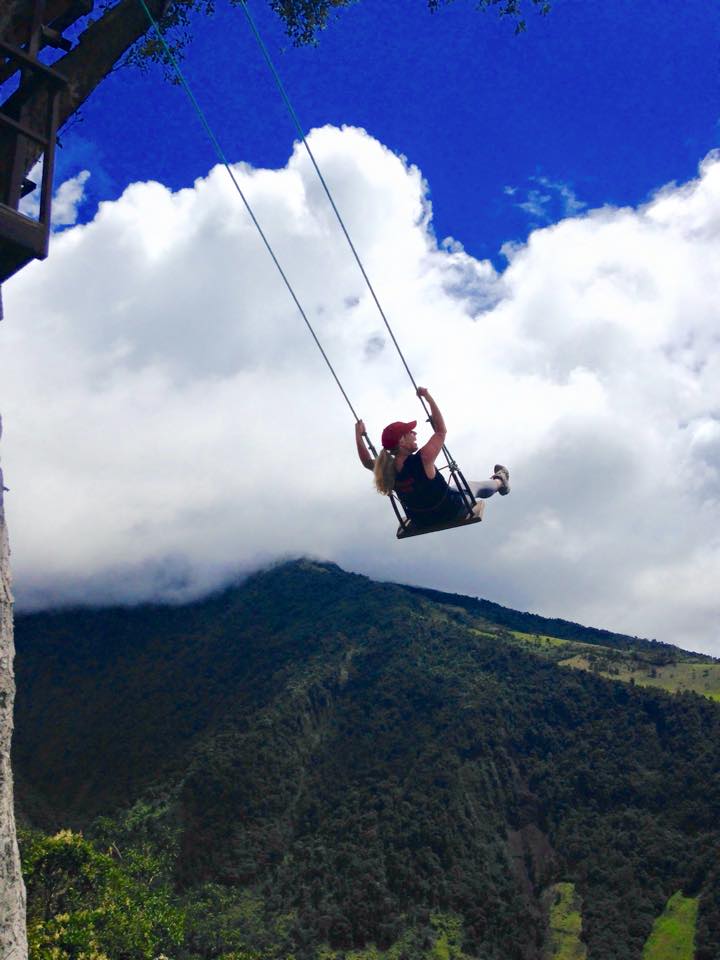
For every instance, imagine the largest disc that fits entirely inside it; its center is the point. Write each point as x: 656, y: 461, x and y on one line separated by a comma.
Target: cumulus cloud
x: 66, y: 201
x: 169, y: 421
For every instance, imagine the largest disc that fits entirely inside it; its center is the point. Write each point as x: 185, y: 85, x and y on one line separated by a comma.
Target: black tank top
x: 426, y: 502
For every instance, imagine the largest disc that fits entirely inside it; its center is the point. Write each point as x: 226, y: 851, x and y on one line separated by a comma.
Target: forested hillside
x: 313, y: 764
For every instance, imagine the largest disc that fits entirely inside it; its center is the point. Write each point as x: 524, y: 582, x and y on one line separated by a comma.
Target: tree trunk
x: 13, y: 940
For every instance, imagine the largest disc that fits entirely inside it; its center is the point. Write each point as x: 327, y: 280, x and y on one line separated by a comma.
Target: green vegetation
x: 677, y: 676
x: 664, y: 668
x: 565, y: 925
x: 304, y: 18
x: 318, y: 763
x: 533, y: 624
x: 535, y: 640
x: 610, y: 655
x: 673, y: 934
x: 86, y: 904
x: 440, y: 940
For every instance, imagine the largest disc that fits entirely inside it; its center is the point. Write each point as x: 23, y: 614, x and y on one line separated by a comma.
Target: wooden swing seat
x: 409, y: 529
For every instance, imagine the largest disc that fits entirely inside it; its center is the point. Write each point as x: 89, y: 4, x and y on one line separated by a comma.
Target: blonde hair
x: 384, y: 472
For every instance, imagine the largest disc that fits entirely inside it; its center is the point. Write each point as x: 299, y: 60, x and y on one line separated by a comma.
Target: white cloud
x: 65, y: 203
x: 68, y: 198
x: 169, y: 420
x: 548, y: 201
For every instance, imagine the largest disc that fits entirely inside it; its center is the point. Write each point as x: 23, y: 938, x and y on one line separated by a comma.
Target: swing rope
x: 301, y: 133
x: 451, y: 464
x: 457, y: 475
x: 224, y: 161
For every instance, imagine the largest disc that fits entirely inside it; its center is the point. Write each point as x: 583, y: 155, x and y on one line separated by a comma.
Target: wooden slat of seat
x: 411, y: 531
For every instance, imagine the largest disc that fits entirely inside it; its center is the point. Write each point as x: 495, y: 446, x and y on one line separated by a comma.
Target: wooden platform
x: 21, y: 240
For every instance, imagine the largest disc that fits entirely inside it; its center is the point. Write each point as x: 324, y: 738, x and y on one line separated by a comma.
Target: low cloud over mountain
x: 169, y: 420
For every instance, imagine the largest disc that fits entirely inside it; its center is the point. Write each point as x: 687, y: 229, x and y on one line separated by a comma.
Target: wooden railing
x: 21, y: 237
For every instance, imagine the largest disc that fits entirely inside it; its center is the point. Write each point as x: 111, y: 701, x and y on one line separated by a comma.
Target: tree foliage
x: 84, y: 904
x: 304, y: 20
x: 515, y: 9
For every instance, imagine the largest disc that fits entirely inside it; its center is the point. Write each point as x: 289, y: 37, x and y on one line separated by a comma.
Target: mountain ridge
x: 359, y: 758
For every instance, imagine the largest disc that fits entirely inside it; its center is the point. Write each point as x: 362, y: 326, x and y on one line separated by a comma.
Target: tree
x: 86, y: 903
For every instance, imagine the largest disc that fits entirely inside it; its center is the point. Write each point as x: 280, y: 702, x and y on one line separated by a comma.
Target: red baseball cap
x: 393, y: 431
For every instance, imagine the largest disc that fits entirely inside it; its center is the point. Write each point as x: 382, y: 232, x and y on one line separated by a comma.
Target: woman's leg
x: 482, y: 489
x: 498, y: 483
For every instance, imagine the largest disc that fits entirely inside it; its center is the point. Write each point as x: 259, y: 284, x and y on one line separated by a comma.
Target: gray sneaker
x: 502, y: 474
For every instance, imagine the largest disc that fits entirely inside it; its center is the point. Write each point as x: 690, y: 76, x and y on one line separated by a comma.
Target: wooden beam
x: 59, y: 15
x: 16, y: 17
x: 6, y: 121
x: 54, y: 38
x: 23, y: 231
x: 97, y: 52
x: 51, y: 75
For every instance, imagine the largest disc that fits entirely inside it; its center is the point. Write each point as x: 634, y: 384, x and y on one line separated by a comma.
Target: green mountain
x: 328, y: 767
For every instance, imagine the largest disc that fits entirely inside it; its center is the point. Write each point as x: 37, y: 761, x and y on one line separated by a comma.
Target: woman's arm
x: 363, y: 452
x: 430, y: 452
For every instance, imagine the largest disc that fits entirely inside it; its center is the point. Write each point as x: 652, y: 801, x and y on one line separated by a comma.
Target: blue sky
x: 168, y: 422
x: 607, y: 100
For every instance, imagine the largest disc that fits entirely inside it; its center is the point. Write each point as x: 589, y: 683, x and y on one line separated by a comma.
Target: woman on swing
x: 412, y: 475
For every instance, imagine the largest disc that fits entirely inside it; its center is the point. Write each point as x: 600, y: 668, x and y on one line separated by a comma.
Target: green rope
x: 224, y: 161
x: 298, y: 126
x: 301, y: 133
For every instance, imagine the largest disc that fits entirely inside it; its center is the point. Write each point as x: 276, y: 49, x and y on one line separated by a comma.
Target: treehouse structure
x: 27, y: 133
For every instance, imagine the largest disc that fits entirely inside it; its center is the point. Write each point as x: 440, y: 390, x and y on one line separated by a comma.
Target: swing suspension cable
x: 298, y: 126
x: 224, y: 161
x: 220, y: 153
x: 452, y: 466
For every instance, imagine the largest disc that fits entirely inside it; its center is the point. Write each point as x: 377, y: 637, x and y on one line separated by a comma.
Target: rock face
x: 13, y: 939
